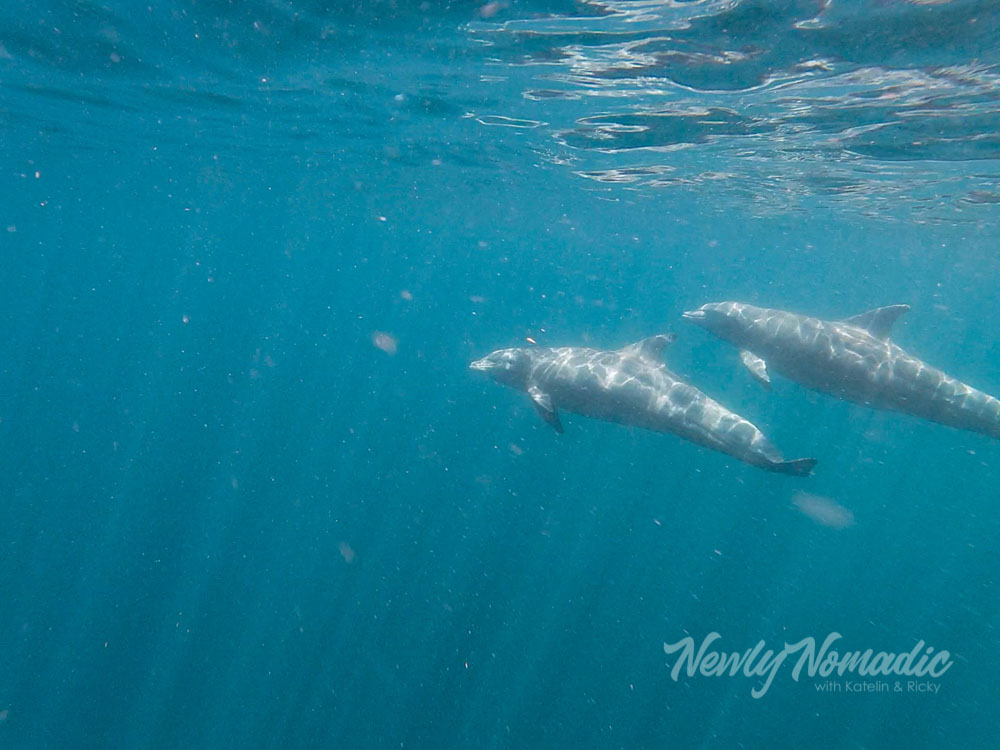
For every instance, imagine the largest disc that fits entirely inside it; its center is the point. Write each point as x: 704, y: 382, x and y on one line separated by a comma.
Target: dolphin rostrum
x: 632, y: 386
x: 852, y: 359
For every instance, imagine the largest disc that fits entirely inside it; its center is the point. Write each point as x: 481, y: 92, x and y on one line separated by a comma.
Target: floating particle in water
x: 346, y: 552
x: 516, y: 449
x: 385, y: 342
x: 491, y: 9
x: 405, y: 294
x: 823, y: 510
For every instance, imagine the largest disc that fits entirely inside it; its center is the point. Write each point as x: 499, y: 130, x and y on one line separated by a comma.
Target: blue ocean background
x: 252, y: 496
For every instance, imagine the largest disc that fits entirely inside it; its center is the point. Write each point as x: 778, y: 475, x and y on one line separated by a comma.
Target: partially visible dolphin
x: 632, y: 386
x: 852, y: 359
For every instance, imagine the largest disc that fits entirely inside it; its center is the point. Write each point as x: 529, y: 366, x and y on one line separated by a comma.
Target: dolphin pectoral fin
x: 757, y: 368
x: 543, y: 404
x: 552, y: 417
x: 800, y: 467
x: 878, y: 322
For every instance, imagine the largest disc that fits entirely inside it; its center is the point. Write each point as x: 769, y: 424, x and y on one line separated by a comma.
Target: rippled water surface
x: 251, y: 493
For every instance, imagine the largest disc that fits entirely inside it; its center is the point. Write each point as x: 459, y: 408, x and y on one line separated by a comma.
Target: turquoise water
x: 252, y: 496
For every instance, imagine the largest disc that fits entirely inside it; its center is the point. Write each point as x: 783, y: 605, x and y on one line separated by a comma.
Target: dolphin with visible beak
x: 632, y: 386
x: 852, y: 359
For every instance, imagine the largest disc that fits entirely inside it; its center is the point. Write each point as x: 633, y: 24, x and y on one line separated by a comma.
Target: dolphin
x: 852, y: 359
x: 632, y: 386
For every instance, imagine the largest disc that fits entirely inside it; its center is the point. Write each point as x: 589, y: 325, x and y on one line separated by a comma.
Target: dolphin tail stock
x: 800, y: 467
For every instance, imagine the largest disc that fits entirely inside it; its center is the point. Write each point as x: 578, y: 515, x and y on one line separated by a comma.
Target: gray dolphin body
x: 852, y: 359
x: 632, y: 386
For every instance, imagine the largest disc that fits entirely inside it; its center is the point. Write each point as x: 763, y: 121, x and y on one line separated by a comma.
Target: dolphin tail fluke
x: 801, y: 467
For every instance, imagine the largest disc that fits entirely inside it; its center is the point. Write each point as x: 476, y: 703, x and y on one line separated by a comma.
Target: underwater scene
x: 499, y: 374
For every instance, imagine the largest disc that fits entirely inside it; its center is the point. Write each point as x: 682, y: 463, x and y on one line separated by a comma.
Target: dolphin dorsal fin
x: 651, y: 348
x: 878, y: 322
